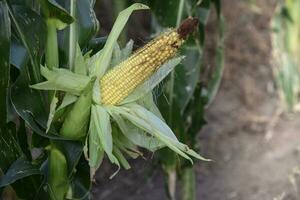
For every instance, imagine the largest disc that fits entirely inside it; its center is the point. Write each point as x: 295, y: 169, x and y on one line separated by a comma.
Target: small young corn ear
x: 75, y: 125
x: 58, y: 175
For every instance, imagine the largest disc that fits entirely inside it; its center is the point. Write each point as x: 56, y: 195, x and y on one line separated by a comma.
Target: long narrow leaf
x: 63, y: 80
x: 104, y: 60
x: 138, y: 137
x: 101, y: 122
x: 5, y: 34
x: 153, y: 125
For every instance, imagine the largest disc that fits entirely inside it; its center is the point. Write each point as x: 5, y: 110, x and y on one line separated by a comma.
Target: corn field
x: 92, y: 87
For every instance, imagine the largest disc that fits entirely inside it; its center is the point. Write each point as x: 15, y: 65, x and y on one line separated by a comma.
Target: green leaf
x: 81, y: 31
x: 81, y: 183
x: 148, y: 102
x: 52, y: 10
x: 19, y: 56
x: 96, y: 44
x: 186, y: 77
x: 202, y: 12
x: 68, y: 100
x: 52, y: 111
x: 22, y: 140
x: 165, y: 11
x: 72, y: 151
x: 133, y: 133
x: 103, y: 62
x: 79, y: 64
x: 286, y: 42
x: 124, y: 144
x: 100, y: 125
x: 215, y: 80
x: 154, y: 121
x: 153, y: 125
x: 194, y: 117
x: 183, y: 79
x: 22, y: 97
x: 36, y: 115
x: 4, y: 61
x: 63, y: 80
x: 19, y: 169
x: 95, y: 150
x: 121, y: 158
x: 218, y: 7
x: 10, y: 149
x: 87, y: 22
x: 120, y: 55
x: 188, y: 181
x: 101, y: 122
x: 31, y: 30
x: 26, y: 180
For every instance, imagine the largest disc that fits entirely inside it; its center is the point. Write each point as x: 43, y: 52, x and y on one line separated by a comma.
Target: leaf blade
x: 103, y: 61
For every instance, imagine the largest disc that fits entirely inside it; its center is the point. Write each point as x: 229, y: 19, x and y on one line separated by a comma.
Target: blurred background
x: 252, y: 126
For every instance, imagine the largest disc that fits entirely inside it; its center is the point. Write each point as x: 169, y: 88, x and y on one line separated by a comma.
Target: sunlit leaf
x: 134, y: 134
x: 63, y: 80
x: 153, y: 125
x: 104, y: 59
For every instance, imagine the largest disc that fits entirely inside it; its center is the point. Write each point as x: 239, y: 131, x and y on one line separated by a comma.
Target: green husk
x: 76, y: 123
x: 62, y: 80
x: 58, y: 175
x: 153, y: 125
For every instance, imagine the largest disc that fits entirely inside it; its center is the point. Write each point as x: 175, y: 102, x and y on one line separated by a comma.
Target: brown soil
x: 255, y: 153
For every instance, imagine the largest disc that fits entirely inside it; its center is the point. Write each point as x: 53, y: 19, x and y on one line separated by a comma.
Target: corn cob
x: 119, y: 82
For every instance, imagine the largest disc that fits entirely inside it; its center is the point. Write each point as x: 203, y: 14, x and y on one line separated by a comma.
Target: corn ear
x: 58, y: 174
x: 125, y: 77
x: 119, y: 82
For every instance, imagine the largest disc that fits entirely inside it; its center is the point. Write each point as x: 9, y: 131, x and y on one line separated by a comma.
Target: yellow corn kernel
x: 119, y: 82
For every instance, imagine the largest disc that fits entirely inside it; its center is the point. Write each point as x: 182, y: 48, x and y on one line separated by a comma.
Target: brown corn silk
x: 119, y: 82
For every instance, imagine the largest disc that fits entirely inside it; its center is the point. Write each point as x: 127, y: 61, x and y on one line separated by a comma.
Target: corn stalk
x: 187, y: 96
x: 286, y: 45
x: 109, y: 108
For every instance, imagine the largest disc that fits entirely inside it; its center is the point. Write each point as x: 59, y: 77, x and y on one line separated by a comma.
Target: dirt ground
x: 256, y: 152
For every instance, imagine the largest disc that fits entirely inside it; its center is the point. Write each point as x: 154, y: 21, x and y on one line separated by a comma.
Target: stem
x: 51, y: 46
x: 58, y: 179
x: 118, y: 6
x: 180, y: 12
x: 172, y: 176
x: 188, y: 183
x: 72, y: 36
x: 171, y: 95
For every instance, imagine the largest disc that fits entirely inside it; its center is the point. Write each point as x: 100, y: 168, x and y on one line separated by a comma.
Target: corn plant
x: 65, y: 107
x: 286, y: 43
x: 186, y: 95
